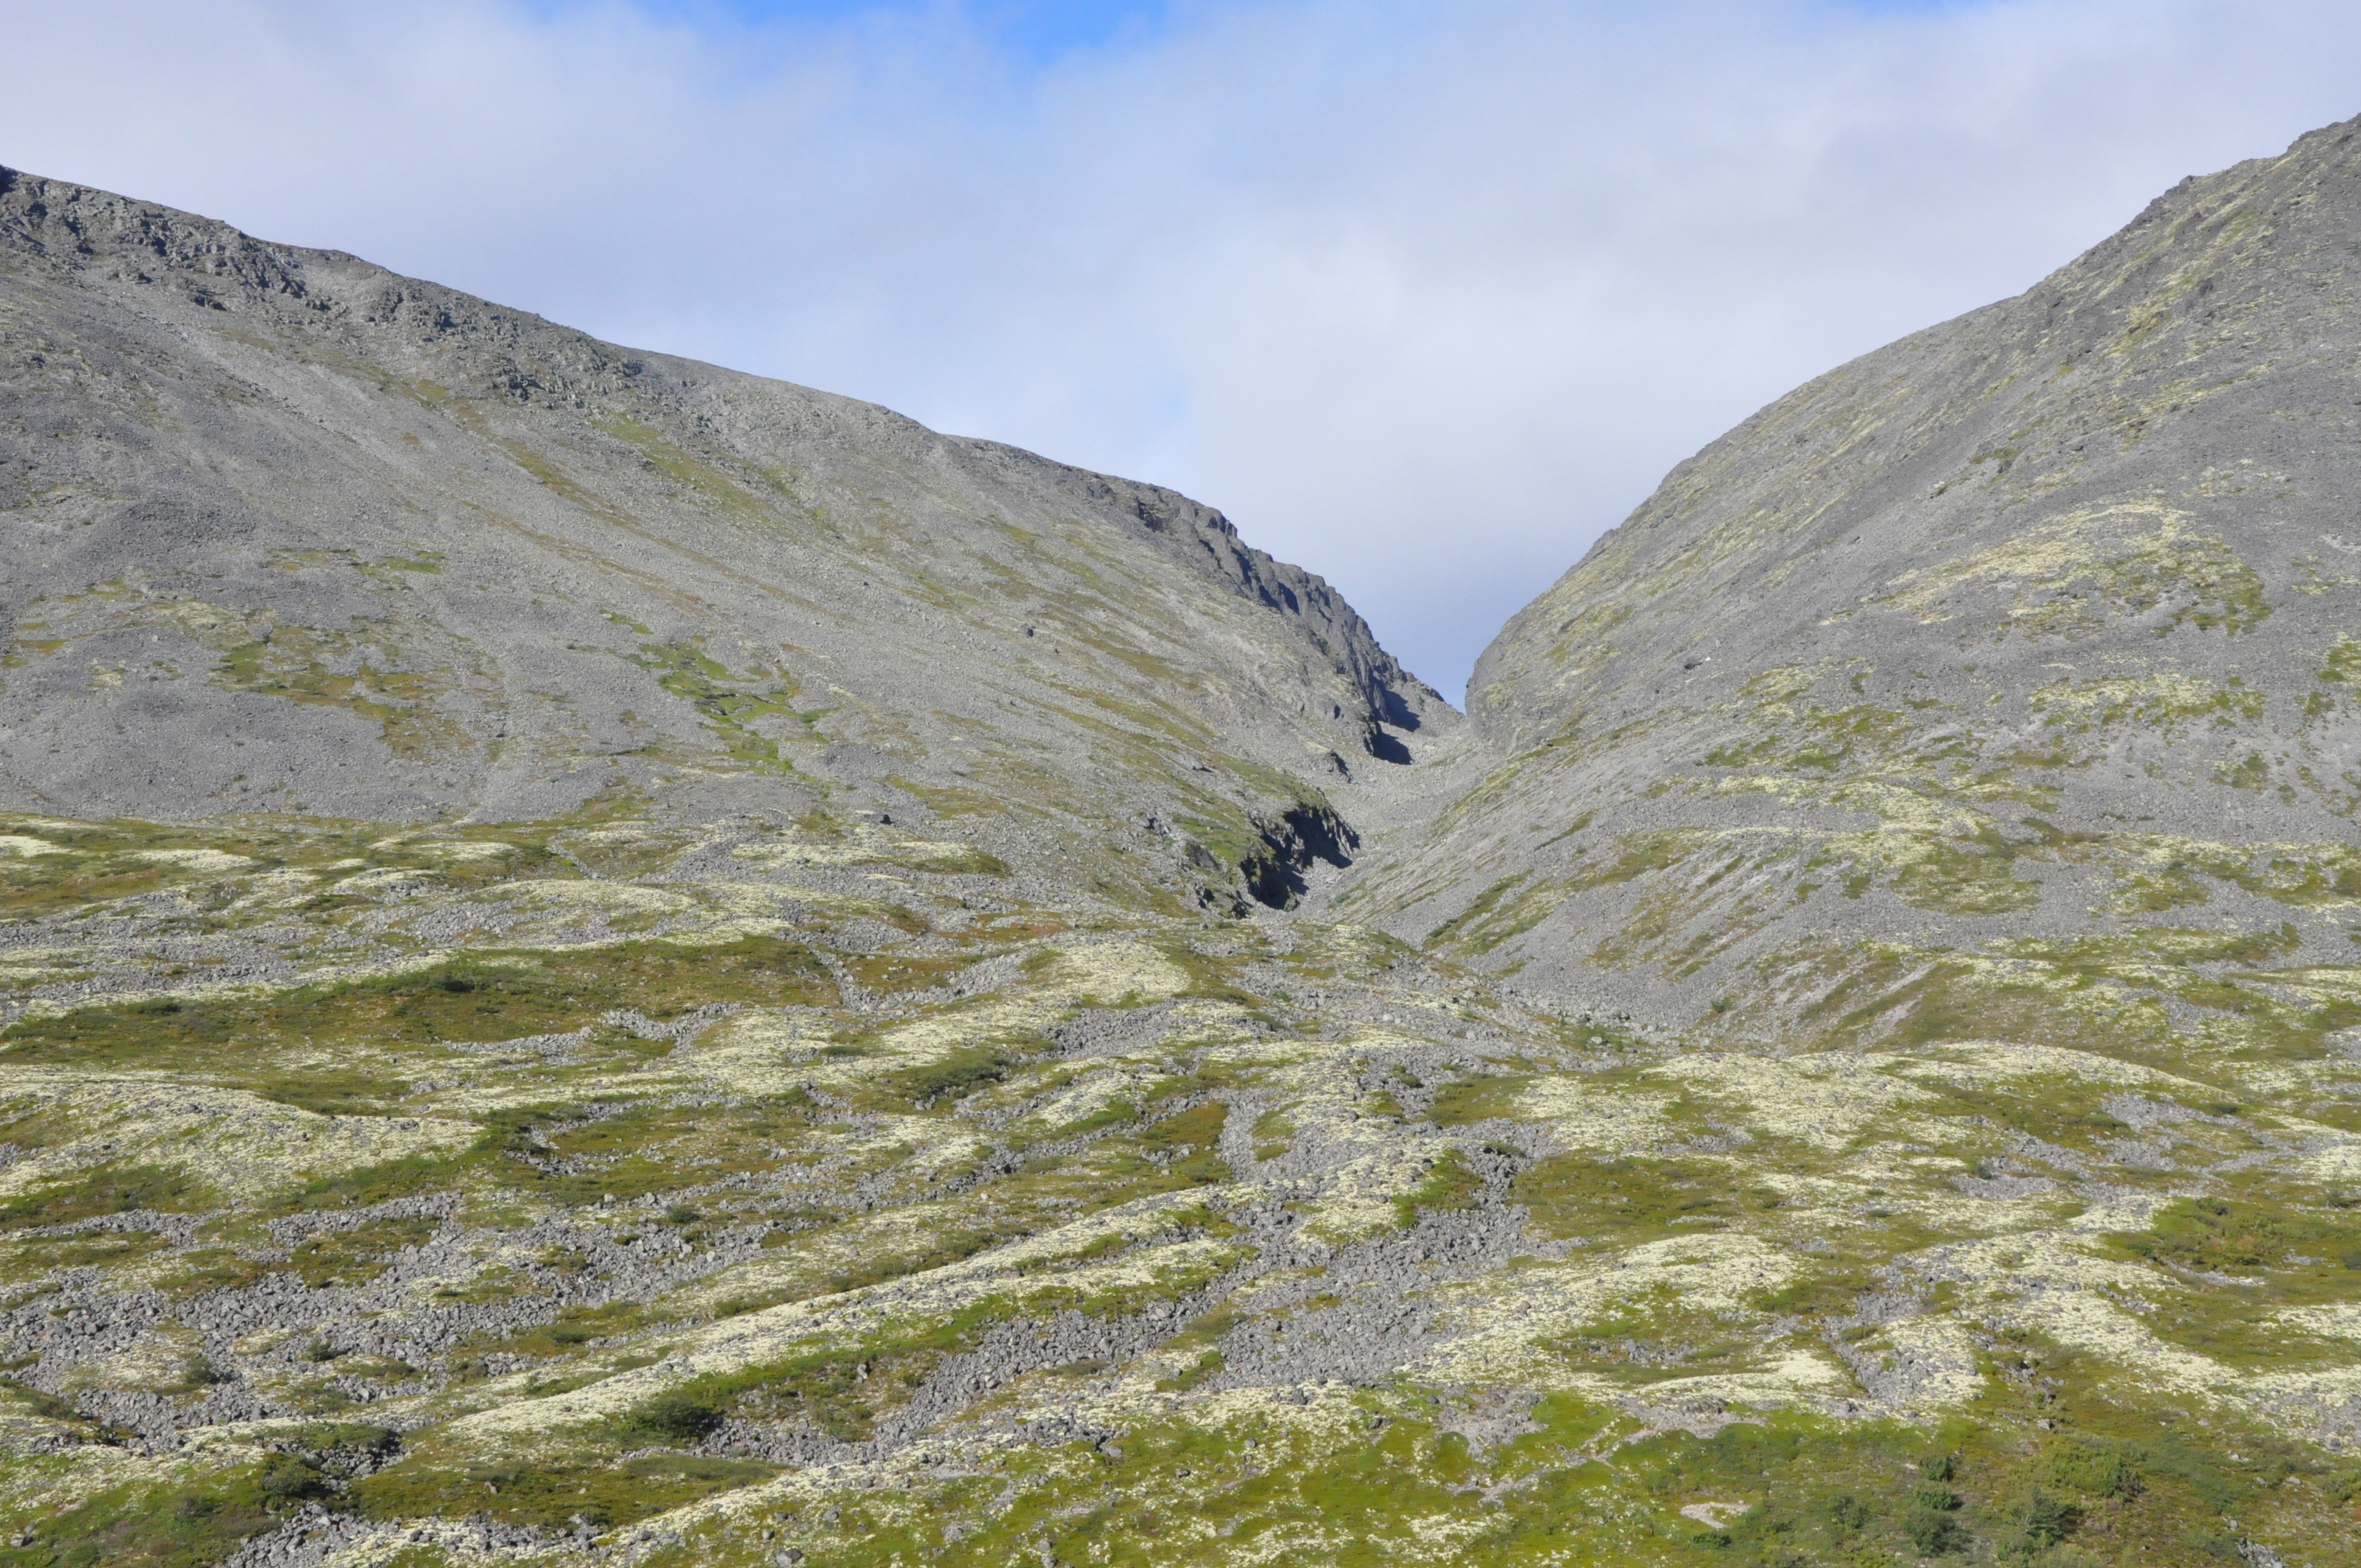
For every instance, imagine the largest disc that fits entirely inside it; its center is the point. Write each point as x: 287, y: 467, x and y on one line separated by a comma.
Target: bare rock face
x: 2035, y: 624
x: 287, y: 531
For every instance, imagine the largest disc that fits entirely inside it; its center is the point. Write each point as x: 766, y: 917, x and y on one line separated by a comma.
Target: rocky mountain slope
x: 608, y: 963
x: 1956, y: 683
x: 289, y: 532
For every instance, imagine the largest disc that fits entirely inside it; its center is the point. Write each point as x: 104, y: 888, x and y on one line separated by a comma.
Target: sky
x: 1425, y: 296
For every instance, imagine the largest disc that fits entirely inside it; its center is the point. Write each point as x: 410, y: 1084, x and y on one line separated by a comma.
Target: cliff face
x: 2037, y: 625
x: 290, y: 532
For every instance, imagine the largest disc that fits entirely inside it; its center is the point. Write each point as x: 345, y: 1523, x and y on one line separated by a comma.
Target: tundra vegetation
x: 734, y: 1202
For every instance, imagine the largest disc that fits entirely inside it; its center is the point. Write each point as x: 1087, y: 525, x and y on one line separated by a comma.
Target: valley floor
x: 604, y: 1191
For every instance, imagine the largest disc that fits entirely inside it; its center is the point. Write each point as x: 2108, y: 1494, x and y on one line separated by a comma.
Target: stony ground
x: 605, y: 1190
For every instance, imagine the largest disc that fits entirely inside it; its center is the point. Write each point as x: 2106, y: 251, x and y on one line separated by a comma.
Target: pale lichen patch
x: 1498, y: 1326
x: 243, y: 1146
x: 204, y: 862
x: 1826, y: 1101
x: 1581, y: 1115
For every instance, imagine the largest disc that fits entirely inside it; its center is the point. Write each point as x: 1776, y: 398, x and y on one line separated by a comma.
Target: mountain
x: 606, y: 963
x: 1955, y: 687
x: 290, y: 532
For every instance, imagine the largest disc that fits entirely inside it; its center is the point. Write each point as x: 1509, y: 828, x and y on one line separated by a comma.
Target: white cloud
x: 1426, y: 295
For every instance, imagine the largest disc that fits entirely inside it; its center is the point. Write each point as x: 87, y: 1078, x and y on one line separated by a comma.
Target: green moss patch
x: 836, y: 1389
x: 1629, y: 1200
x: 1477, y: 1099
x: 730, y: 706
x: 120, y: 1189
x: 2220, y: 1236
x: 636, y: 1148
x: 356, y: 1255
x: 272, y: 1043
x: 189, y: 1524
x: 1451, y: 1183
x: 96, y: 1249
x: 552, y: 1494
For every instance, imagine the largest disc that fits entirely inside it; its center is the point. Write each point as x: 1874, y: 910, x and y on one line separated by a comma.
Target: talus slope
x: 2033, y: 629
x: 290, y: 532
